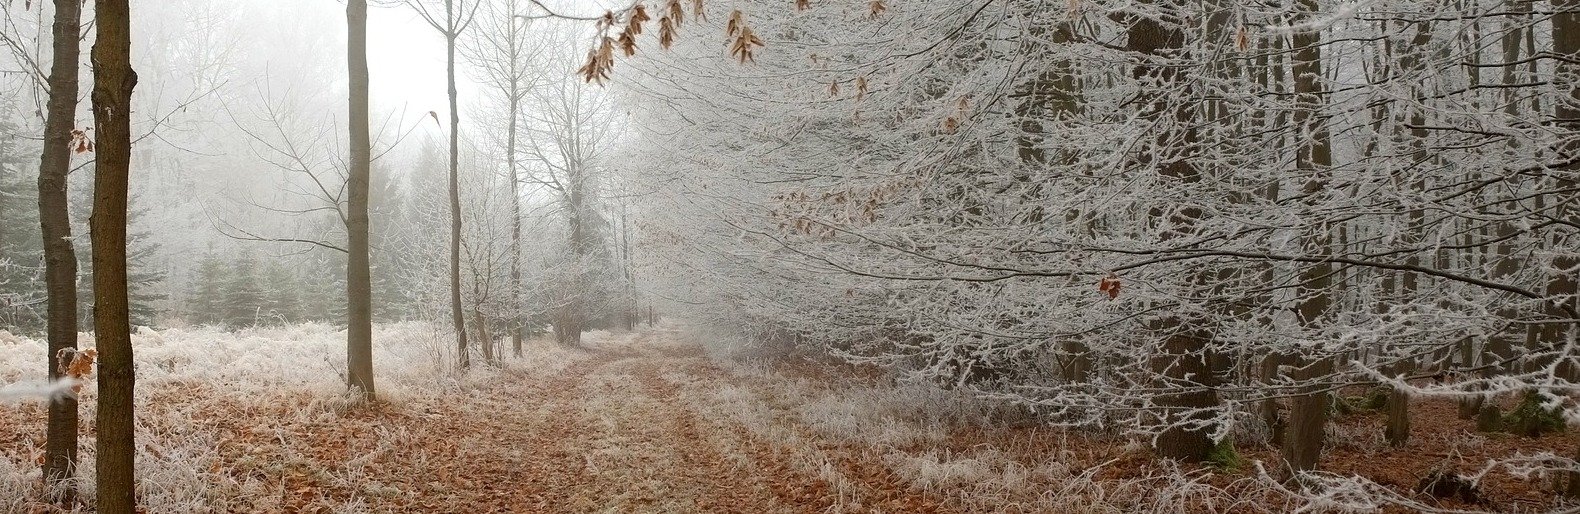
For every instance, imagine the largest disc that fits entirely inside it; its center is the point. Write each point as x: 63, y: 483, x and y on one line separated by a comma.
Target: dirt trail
x: 613, y: 433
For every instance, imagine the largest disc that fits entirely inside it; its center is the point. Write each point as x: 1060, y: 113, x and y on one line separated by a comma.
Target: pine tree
x: 145, y: 280
x: 21, y: 250
x: 243, y: 294
x: 207, y: 293
x: 281, y: 303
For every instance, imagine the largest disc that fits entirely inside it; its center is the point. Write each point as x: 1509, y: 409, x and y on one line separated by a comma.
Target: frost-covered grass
x: 294, y: 374
x: 974, y: 454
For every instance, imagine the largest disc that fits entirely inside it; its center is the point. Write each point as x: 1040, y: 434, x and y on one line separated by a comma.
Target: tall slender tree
x: 60, y: 259
x: 1309, y: 412
x: 454, y: 21
x: 1185, y: 360
x: 1562, y: 287
x: 502, y: 51
x: 359, y: 275
x: 113, y: 81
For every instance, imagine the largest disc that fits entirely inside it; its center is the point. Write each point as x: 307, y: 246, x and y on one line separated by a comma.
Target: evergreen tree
x: 243, y: 298
x: 144, y: 279
x: 281, y: 304
x: 203, y: 305
x: 21, y: 249
x: 328, y: 288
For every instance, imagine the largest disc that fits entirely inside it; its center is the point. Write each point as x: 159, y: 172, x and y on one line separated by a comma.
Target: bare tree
x: 359, y: 275
x: 113, y: 81
x: 60, y: 259
x: 454, y: 21
x: 1309, y: 414
x: 502, y: 51
x: 1184, y: 362
x: 570, y: 127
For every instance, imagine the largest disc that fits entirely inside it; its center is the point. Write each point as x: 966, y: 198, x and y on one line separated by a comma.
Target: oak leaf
x: 1109, y: 285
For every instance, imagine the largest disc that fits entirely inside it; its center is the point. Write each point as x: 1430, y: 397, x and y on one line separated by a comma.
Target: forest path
x: 634, y: 427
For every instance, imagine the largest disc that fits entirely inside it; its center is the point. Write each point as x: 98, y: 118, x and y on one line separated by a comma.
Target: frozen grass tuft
x: 182, y: 371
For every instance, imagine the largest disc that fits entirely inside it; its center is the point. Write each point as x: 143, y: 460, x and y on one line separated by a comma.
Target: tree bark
x: 1184, y: 362
x: 1566, y: 43
x: 517, y: 324
x: 113, y: 81
x: 4, y: 150
x: 456, y: 316
x: 359, y: 275
x: 60, y: 258
x: 1397, y: 430
x: 1308, y: 415
x: 1562, y: 286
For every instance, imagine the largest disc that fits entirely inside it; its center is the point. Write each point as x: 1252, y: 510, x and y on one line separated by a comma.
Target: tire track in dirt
x: 871, y: 483
x: 618, y: 432
x: 650, y: 453
x: 501, y: 450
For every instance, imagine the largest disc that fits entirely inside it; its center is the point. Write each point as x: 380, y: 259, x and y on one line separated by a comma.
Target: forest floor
x: 649, y: 422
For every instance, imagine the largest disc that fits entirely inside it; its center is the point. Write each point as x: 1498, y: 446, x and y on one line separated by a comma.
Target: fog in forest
x: 789, y: 256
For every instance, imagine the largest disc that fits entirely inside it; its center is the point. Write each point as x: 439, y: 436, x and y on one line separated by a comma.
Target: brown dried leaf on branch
x: 638, y: 16
x: 599, y: 62
x: 861, y: 88
x: 742, y: 47
x: 666, y: 32
x: 962, y: 109
x: 744, y: 38
x: 876, y: 8
x: 735, y: 24
x: 77, y: 365
x: 802, y: 5
x: 675, y: 13
x: 740, y: 38
x: 1109, y: 285
x: 627, y: 43
x: 80, y: 142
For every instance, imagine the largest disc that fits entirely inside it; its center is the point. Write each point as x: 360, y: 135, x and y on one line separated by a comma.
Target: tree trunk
x: 359, y: 274
x: 517, y: 324
x: 1308, y: 413
x: 627, y: 309
x: 1272, y: 409
x: 113, y: 80
x: 573, y: 317
x: 456, y: 316
x: 60, y: 258
x: 1566, y: 43
x: 1397, y: 430
x: 485, y: 340
x: 1573, y: 489
x: 1308, y: 418
x: 1561, y: 286
x: 1184, y: 362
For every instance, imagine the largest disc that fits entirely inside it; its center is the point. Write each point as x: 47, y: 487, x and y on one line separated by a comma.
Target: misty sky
x: 406, y: 59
